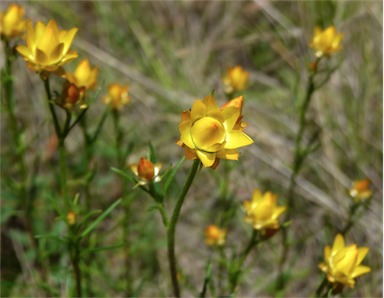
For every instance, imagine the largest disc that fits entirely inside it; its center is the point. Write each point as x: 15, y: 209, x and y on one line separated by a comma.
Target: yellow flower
x: 262, y: 212
x: 84, y: 75
x: 83, y: 79
x: 71, y: 218
x: 12, y: 22
x: 209, y: 133
x: 236, y: 79
x: 360, y: 190
x: 342, y: 263
x: 215, y: 236
x: 48, y: 48
x: 326, y: 42
x: 117, y: 96
x: 146, y: 171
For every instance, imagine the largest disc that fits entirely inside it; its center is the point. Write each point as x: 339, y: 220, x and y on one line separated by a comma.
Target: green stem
x: 234, y: 280
x: 52, y: 108
x: 74, y: 248
x: 319, y: 290
x: 172, y: 228
x: 299, y: 157
x: 120, y: 159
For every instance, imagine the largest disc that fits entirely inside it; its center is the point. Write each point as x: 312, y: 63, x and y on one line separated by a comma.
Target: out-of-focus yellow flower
x: 12, y: 22
x: 360, y: 190
x: 84, y: 75
x: 211, y: 133
x: 117, y: 96
x: 236, y: 79
x: 262, y: 212
x: 342, y: 263
x: 326, y: 42
x: 214, y: 236
x: 146, y: 171
x: 47, y: 48
x: 83, y: 79
x: 71, y: 218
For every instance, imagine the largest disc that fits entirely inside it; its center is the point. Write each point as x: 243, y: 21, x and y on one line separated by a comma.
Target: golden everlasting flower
x: 84, y: 75
x: 214, y: 236
x: 236, y: 79
x: 83, y: 79
x: 342, y: 263
x: 326, y: 42
x: 12, y: 22
x: 209, y: 133
x: 48, y: 48
x: 117, y: 96
x: 262, y: 211
x: 146, y: 171
x: 360, y: 190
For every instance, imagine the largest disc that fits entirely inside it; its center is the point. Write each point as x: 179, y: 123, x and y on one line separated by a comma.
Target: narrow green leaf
x: 152, y: 153
x: 124, y: 174
x: 96, y: 249
x: 172, y: 174
x: 100, y: 218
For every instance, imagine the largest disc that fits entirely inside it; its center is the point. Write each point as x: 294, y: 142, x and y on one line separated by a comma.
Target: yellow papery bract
x: 117, y: 96
x: 236, y: 79
x: 342, y: 263
x: 210, y: 133
x: 12, y: 22
x: 47, y: 48
x: 262, y: 211
x: 326, y: 42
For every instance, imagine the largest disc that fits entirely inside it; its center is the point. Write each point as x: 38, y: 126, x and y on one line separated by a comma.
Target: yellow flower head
x: 146, y: 171
x: 262, y: 211
x: 215, y: 236
x: 117, y: 96
x: 326, y: 42
x: 342, y: 263
x: 84, y: 75
x: 47, y: 48
x: 360, y: 190
x: 12, y: 22
x: 236, y: 79
x: 71, y: 218
x: 209, y: 133
x: 83, y: 79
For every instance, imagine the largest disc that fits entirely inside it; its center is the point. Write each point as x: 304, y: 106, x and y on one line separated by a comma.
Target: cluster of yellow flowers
x: 207, y: 132
x: 48, y: 49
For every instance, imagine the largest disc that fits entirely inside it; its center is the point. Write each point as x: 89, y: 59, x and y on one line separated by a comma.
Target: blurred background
x: 172, y: 52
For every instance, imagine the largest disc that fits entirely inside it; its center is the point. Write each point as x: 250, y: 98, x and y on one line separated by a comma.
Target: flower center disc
x: 208, y: 133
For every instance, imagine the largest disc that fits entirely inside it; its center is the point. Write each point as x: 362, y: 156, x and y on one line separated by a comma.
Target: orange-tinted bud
x: 146, y: 169
x: 71, y: 218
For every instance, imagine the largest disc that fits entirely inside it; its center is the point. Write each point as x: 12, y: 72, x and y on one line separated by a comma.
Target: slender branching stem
x: 120, y: 159
x: 172, y: 228
x: 234, y: 280
x: 300, y: 154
